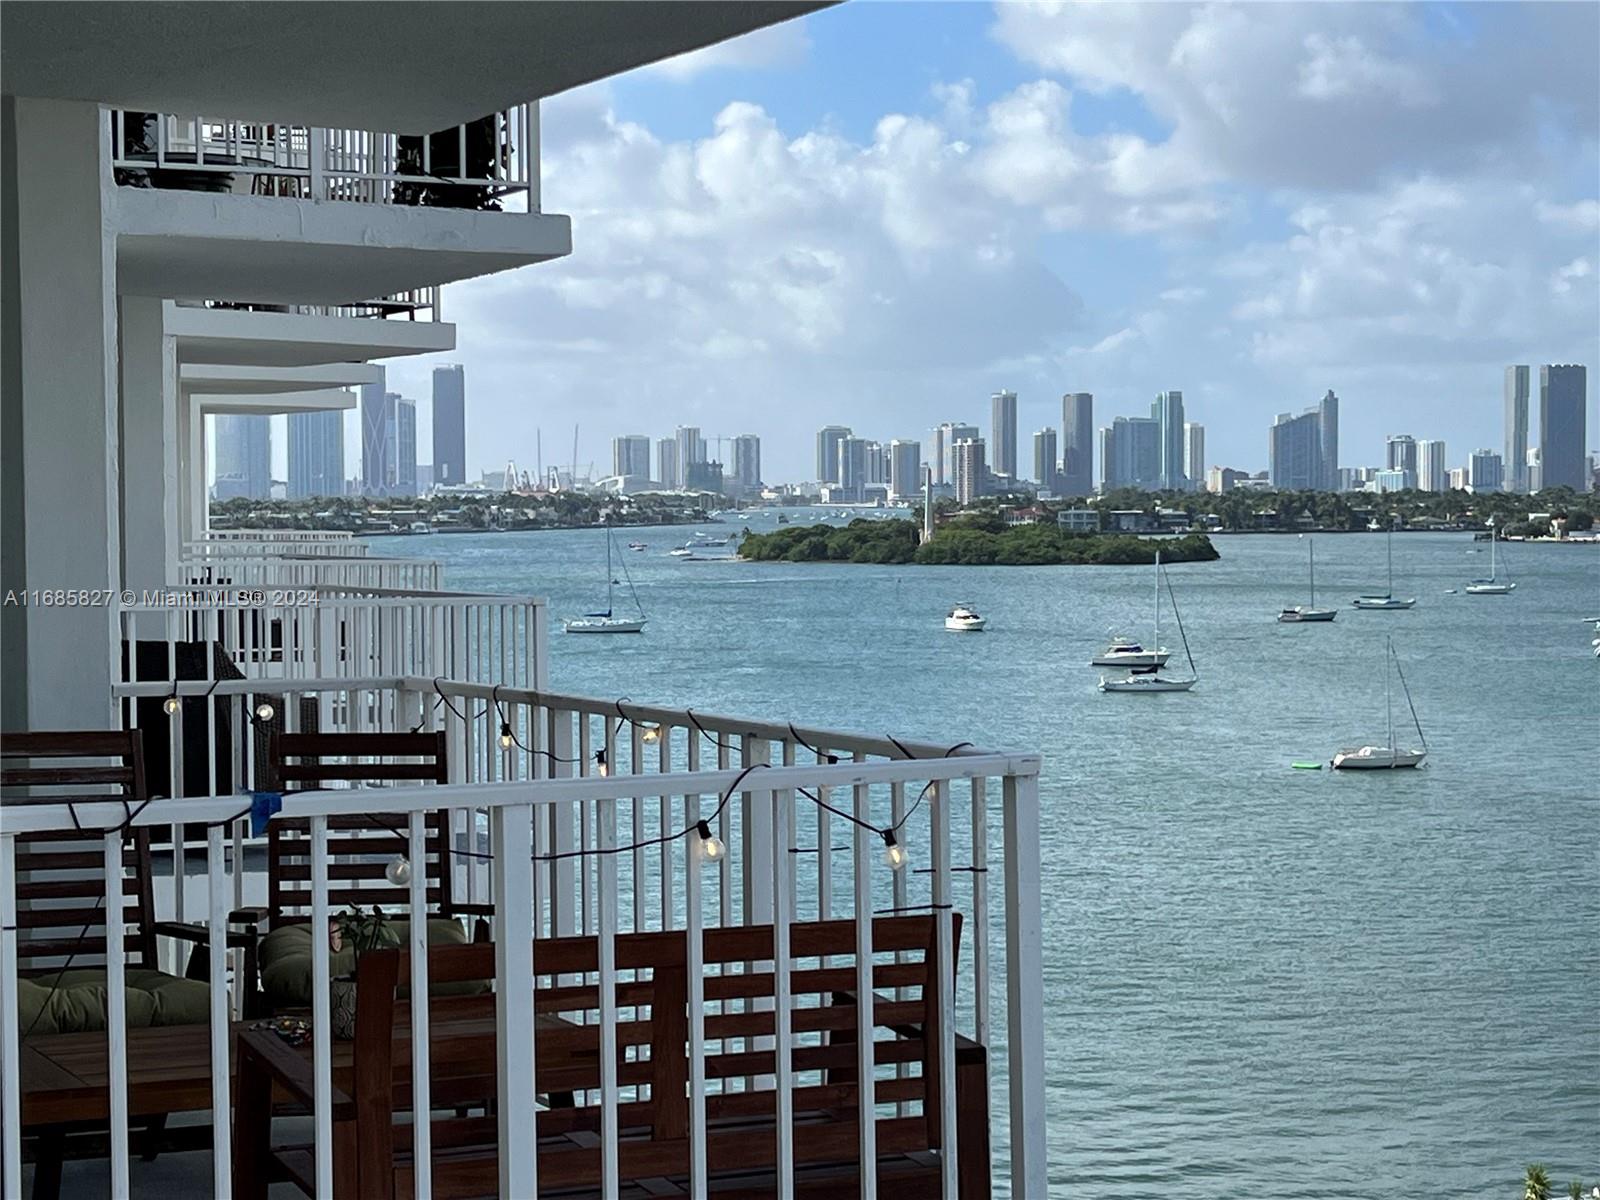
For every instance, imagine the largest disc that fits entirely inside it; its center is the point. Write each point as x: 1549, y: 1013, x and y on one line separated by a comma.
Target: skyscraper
x: 905, y: 468
x: 1402, y: 453
x: 747, y: 462
x: 1194, y: 453
x: 667, y: 463
x: 851, y: 469
x: 828, y: 439
x: 1485, y: 472
x: 244, y: 455
x: 1294, y: 452
x: 1077, y: 444
x: 1516, y: 455
x: 377, y: 415
x: 1563, y: 392
x: 449, y: 424
x: 876, y: 469
x: 405, y: 446
x: 1432, y: 474
x: 936, y: 452
x: 971, y: 469
x: 630, y: 455
x: 1045, y: 469
x: 1130, y: 453
x: 1328, y: 412
x: 316, y: 454
x: 1003, y: 444
x: 956, y: 432
x: 691, y: 450
x: 1167, y: 412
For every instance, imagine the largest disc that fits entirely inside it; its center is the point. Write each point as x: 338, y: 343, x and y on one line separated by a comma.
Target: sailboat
x: 1494, y: 585
x: 1388, y: 600
x: 1148, y: 678
x: 605, y: 622
x: 1390, y: 756
x: 1125, y: 652
x: 1308, y: 612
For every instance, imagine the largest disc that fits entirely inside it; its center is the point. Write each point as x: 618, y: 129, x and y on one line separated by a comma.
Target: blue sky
x: 880, y: 213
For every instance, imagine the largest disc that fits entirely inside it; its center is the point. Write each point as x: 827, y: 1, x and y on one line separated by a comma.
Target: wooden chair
x: 372, y: 1156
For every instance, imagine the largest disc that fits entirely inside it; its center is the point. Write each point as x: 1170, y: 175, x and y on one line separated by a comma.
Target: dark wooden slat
x: 355, y: 772
x: 121, y: 776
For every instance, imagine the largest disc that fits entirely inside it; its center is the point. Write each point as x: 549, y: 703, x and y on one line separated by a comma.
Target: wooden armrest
x: 290, y: 1071
x: 185, y: 931
x: 249, y: 916
x: 473, y: 909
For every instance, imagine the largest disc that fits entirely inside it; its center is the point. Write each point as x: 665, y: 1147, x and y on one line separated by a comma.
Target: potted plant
x: 360, y: 932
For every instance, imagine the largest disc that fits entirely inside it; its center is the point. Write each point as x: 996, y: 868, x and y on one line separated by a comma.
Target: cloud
x: 786, y: 44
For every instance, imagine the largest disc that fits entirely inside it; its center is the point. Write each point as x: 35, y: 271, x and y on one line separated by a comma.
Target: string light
x: 265, y: 712
x: 398, y: 871
x: 506, y: 739
x: 711, y: 847
x: 601, y: 766
x: 171, y: 705
x: 651, y: 733
x: 894, y: 853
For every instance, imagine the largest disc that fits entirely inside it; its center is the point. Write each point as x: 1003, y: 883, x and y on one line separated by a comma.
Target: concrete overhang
x: 268, y: 339
x: 399, y: 68
x: 272, y: 403
x: 271, y: 250
x: 225, y: 380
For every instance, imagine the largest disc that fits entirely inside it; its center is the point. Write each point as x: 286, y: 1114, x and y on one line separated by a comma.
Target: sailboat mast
x: 1311, y: 561
x: 1156, y: 643
x: 1388, y: 693
x: 609, y: 580
x: 1390, y: 545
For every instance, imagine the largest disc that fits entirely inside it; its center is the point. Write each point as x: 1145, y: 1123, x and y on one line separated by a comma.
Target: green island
x: 977, y: 540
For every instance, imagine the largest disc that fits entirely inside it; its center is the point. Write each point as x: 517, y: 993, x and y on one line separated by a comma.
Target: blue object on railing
x: 262, y: 806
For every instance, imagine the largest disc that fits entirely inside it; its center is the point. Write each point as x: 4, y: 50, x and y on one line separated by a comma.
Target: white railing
x: 410, y: 304
x: 552, y: 798
x: 311, y: 570
x: 277, y: 541
x: 475, y: 165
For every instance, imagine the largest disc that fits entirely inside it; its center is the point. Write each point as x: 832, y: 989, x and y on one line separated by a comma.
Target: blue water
x: 1259, y: 981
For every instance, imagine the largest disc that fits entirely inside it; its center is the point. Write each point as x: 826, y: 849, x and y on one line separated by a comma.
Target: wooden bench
x: 372, y: 1155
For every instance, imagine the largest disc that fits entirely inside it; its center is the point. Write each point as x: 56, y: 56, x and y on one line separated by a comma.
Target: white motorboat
x: 607, y: 622
x: 637, y: 546
x: 1494, y: 585
x: 963, y: 618
x: 1388, y: 601
x: 1125, y: 652
x: 1308, y: 612
x: 1148, y: 679
x: 680, y: 552
x: 1387, y: 757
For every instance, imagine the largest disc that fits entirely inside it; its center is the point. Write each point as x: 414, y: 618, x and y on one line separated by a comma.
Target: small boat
x: 1125, y: 652
x: 1148, y: 679
x: 680, y: 552
x: 963, y: 618
x: 607, y: 622
x: 1308, y: 612
x: 1494, y: 585
x: 1388, y: 601
x: 420, y: 527
x: 1388, y: 757
x: 637, y: 546
x: 783, y: 518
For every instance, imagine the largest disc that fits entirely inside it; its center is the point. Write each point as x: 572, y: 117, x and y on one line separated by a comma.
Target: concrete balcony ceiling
x: 272, y: 403
x: 232, y: 380
x: 269, y: 250
x: 400, y: 68
x: 268, y: 339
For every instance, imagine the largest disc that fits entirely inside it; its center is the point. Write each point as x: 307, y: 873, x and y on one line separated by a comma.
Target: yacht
x: 1494, y: 585
x: 680, y: 552
x: 1387, y: 757
x: 420, y: 527
x: 637, y: 546
x: 1308, y: 612
x: 1387, y: 601
x: 1125, y: 652
x: 1148, y: 679
x: 607, y: 621
x: 963, y: 618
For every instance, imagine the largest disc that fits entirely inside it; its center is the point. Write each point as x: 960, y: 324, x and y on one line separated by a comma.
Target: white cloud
x: 786, y: 44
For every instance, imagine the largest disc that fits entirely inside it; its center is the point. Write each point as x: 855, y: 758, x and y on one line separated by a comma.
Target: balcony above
x: 301, y: 337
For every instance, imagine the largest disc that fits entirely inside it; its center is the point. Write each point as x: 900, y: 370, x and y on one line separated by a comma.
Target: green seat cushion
x: 76, y: 1001
x: 285, y: 960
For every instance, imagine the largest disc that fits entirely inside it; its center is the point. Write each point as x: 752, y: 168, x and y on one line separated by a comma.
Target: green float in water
x: 1306, y: 766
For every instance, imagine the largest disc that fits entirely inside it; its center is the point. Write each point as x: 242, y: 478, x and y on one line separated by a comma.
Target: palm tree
x: 1536, y: 1185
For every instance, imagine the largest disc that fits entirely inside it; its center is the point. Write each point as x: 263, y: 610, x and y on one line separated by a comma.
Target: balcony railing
x: 413, y: 304
x: 478, y: 165
x: 554, y: 837
x: 360, y: 571
x: 291, y: 541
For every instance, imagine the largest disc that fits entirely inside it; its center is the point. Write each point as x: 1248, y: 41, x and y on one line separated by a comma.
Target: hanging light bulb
x: 170, y: 705
x: 505, y: 735
x: 650, y: 733
x: 711, y: 847
x: 265, y: 712
x: 893, y: 852
x: 601, y: 767
x: 398, y: 872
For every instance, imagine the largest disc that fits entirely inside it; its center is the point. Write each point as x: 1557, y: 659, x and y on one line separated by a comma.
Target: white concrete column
x: 193, y: 514
x: 66, y: 264
x: 149, y: 429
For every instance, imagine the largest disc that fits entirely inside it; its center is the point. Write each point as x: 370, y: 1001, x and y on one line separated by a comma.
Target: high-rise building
x: 1130, y: 454
x: 1045, y: 468
x: 1003, y: 443
x: 405, y: 447
x: 905, y: 469
x: 449, y: 424
x: 1402, y: 454
x: 1167, y: 412
x: 936, y: 452
x: 630, y: 455
x: 1328, y: 433
x: 316, y: 454
x: 828, y: 439
x: 1303, y: 451
x: 971, y: 469
x: 1432, y: 474
x: 1194, y: 453
x: 876, y: 470
x: 747, y: 462
x: 1516, y: 455
x: 703, y: 476
x: 956, y: 432
x: 1485, y: 471
x: 1077, y: 444
x: 1458, y: 479
x: 691, y: 450
x: 667, y: 463
x: 1563, y: 392
x: 1533, y: 469
x: 244, y: 455
x: 377, y: 416
x: 851, y: 469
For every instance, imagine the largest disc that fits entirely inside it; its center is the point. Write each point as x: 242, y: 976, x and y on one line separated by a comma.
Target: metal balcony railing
x: 413, y: 304
x: 359, y: 571
x: 481, y: 165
